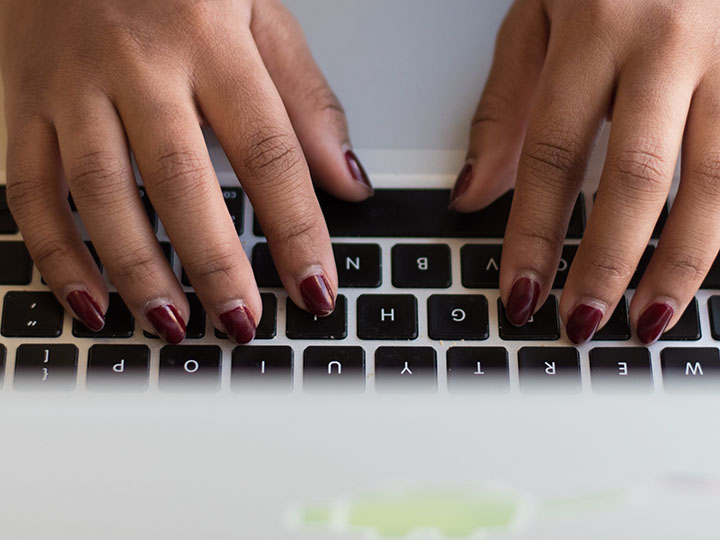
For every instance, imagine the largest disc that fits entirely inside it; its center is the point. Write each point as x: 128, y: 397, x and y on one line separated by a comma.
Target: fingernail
x: 461, y: 184
x: 653, y: 322
x: 168, y: 323
x: 356, y: 169
x: 583, y: 323
x: 87, y: 310
x: 316, y: 293
x: 522, y: 301
x: 239, y: 324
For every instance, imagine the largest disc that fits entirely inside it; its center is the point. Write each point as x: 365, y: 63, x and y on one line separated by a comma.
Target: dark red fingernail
x: 523, y: 299
x: 653, y: 322
x: 461, y: 184
x: 168, y: 323
x: 583, y: 323
x: 87, y: 310
x: 357, y: 170
x: 317, y: 295
x: 239, y: 324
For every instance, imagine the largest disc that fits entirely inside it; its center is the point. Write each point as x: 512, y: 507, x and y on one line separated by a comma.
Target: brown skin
x: 86, y: 81
x: 562, y: 67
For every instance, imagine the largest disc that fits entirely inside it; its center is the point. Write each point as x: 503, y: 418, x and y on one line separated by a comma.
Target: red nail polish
x: 316, y: 294
x: 168, y: 323
x: 583, y: 323
x: 239, y: 324
x: 357, y: 170
x: 462, y: 183
x: 87, y: 310
x: 522, y: 302
x: 653, y: 322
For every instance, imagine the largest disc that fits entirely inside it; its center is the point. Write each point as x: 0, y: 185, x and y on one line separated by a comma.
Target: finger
x: 315, y: 112
x: 500, y: 121
x: 37, y: 196
x: 570, y: 106
x: 650, y: 110
x: 266, y: 155
x: 689, y: 242
x: 103, y: 186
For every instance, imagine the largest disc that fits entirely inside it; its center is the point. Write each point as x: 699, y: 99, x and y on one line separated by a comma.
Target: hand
x: 561, y: 68
x: 87, y: 80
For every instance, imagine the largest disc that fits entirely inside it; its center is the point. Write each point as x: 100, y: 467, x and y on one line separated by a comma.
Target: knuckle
x: 605, y: 265
x: 320, y: 97
x: 300, y: 230
x: 555, y: 157
x: 135, y: 266
x: 641, y: 169
x: 22, y: 194
x: 177, y: 173
x: 271, y: 154
x: 548, y: 236
x: 51, y: 252
x: 95, y: 175
x: 686, y: 266
x: 493, y: 109
x: 705, y: 176
x: 222, y: 264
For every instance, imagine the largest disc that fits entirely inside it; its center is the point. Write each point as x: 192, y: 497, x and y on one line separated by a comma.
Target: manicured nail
x: 653, y: 322
x: 522, y: 301
x: 316, y: 293
x: 239, y: 324
x: 583, y: 323
x: 461, y: 184
x: 168, y: 323
x: 87, y: 310
x: 357, y: 170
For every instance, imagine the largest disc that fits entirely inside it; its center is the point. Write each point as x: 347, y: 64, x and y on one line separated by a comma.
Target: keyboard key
x: 616, y: 370
x: 334, y: 369
x: 549, y: 369
x: 196, y: 325
x: 190, y: 368
x: 660, y: 225
x: 712, y: 280
x: 480, y: 266
x: 687, y: 328
x: 267, y: 328
x: 405, y: 369
x: 642, y: 266
x: 691, y: 370
x: 566, y: 260
x: 424, y: 266
x: 234, y: 201
x: 264, y: 268
x: 458, y: 316
x: 387, y: 316
x: 3, y: 199
x: 714, y: 309
x: 358, y: 265
x: 168, y: 252
x: 262, y: 369
x: 46, y: 367
x: 119, y: 368
x: 7, y: 223
x: 3, y: 353
x: 31, y: 314
x: 15, y: 264
x: 478, y: 370
x: 303, y: 325
x: 543, y: 326
x: 119, y: 322
x: 618, y: 327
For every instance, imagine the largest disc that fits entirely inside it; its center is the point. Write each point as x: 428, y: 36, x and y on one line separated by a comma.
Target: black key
x: 234, y: 202
x: 15, y: 264
x: 566, y: 260
x: 71, y: 202
x: 691, y: 370
x: 3, y: 352
x: 421, y: 213
x: 478, y: 370
x: 31, y: 314
x: 543, y: 326
x: 480, y: 265
x: 714, y: 309
x: 405, y: 369
x: 149, y: 210
x: 46, y: 367
x: 190, y: 368
x: 331, y: 369
x: 687, y: 328
x: 618, y: 327
x: 168, y: 252
x: 303, y: 325
x: 549, y: 369
x: 3, y: 199
x: 387, y: 316
x: 7, y: 223
x: 123, y: 368
x: 185, y: 279
x: 642, y: 266
x: 262, y: 369
x: 264, y: 268
x: 458, y: 316
x: 196, y: 325
x: 712, y: 280
x: 616, y: 370
x: 267, y: 328
x: 119, y: 322
x: 358, y: 265
x: 418, y: 265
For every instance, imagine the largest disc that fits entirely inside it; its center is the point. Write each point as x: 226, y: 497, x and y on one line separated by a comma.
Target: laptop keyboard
x: 418, y: 311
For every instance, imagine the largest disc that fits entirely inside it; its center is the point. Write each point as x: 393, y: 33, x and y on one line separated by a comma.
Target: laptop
x: 392, y: 418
